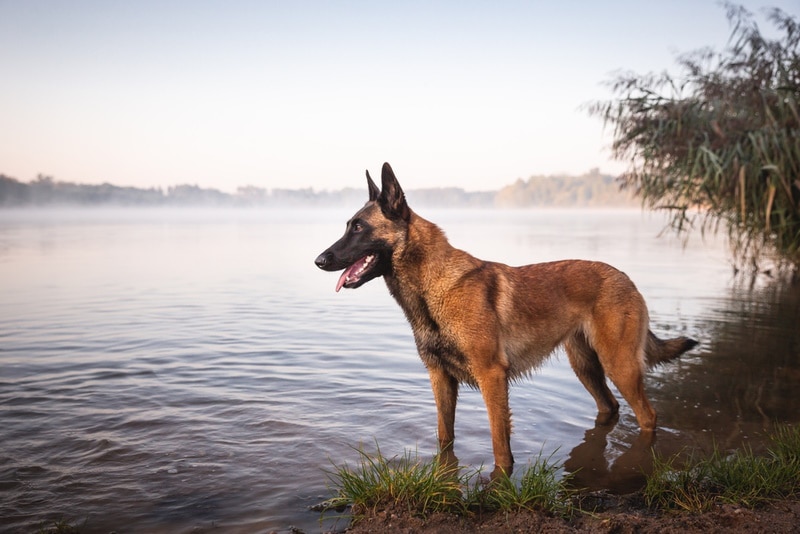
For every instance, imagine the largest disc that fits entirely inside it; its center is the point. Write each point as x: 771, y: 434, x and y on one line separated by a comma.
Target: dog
x: 485, y: 324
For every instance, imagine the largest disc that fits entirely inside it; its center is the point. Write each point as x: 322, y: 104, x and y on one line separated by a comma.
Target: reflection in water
x: 733, y: 391
x: 591, y: 469
x: 746, y: 376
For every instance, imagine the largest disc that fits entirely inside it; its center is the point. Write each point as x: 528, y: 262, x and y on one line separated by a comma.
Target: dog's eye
x: 357, y: 226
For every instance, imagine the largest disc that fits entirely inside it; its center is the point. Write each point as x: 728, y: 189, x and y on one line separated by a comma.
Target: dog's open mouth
x: 353, y: 274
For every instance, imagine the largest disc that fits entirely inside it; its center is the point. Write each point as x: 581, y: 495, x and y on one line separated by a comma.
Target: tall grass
x: 719, y: 143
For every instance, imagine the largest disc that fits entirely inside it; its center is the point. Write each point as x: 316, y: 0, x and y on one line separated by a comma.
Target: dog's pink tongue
x: 342, y: 280
x: 346, y: 274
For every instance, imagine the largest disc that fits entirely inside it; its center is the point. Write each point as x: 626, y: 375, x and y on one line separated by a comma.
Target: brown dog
x: 484, y: 323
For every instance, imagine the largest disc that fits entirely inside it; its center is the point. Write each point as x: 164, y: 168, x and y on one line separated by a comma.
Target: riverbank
x: 727, y: 492
x: 611, y: 514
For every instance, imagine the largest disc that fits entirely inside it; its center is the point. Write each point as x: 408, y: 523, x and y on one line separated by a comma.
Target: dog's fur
x: 484, y: 323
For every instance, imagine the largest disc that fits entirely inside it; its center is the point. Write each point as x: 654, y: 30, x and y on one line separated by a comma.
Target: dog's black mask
x: 365, y: 249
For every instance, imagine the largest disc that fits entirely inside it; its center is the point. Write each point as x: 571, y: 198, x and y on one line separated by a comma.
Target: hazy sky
x: 298, y: 93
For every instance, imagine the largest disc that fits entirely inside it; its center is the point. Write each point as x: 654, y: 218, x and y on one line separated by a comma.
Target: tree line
x: 592, y: 189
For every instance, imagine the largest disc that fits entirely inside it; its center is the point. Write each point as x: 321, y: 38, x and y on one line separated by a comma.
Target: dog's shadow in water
x: 591, y: 468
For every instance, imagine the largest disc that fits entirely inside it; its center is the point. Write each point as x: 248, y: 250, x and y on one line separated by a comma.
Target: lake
x: 181, y: 370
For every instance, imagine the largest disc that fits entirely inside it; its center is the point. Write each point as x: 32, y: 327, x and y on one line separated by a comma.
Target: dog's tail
x: 658, y: 351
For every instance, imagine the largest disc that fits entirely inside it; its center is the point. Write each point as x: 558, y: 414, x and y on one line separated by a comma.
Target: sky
x: 296, y: 93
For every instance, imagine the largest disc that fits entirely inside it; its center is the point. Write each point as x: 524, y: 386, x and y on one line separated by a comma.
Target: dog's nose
x: 324, y: 259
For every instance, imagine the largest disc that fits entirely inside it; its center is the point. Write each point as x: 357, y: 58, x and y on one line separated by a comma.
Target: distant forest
x: 589, y: 190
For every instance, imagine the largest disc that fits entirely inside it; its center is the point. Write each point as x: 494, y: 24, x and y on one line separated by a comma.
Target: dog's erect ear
x: 392, y: 199
x: 374, y: 192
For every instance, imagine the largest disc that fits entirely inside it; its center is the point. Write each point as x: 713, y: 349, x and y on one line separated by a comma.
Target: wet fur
x: 485, y: 324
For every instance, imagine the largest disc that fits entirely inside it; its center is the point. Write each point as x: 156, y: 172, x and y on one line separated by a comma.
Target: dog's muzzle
x: 324, y: 260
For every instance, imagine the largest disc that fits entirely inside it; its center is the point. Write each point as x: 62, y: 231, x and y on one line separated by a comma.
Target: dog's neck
x: 423, y: 239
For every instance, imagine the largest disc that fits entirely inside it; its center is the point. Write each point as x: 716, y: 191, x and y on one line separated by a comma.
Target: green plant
x: 539, y: 488
x: 741, y: 478
x: 424, y: 487
x: 407, y: 481
x: 670, y: 487
x: 786, y: 446
x: 719, y: 144
x: 60, y: 526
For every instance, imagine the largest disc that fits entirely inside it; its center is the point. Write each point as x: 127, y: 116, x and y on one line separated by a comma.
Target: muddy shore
x: 612, y: 514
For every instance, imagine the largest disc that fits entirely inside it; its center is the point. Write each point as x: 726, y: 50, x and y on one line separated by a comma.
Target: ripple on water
x: 172, y: 375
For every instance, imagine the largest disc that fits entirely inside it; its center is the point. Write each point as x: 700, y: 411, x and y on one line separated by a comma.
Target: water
x: 166, y: 371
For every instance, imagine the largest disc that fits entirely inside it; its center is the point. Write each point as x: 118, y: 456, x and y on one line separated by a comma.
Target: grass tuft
x: 425, y: 487
x: 60, y: 526
x: 407, y: 482
x: 741, y: 478
x: 539, y: 488
x: 670, y: 487
x: 786, y: 445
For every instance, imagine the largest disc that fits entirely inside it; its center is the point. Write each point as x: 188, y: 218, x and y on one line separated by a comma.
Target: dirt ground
x: 613, y: 514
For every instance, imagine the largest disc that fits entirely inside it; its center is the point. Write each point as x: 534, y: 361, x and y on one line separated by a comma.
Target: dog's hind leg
x: 630, y: 383
x: 585, y: 363
x: 620, y: 348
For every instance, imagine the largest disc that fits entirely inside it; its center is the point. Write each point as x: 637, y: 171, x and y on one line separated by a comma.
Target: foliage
x: 741, y: 478
x: 539, y: 488
x: 588, y: 190
x: 60, y: 526
x: 408, y: 482
x: 592, y: 189
x: 425, y: 487
x: 719, y: 144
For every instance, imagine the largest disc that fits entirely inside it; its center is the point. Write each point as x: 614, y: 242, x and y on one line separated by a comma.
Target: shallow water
x: 165, y: 371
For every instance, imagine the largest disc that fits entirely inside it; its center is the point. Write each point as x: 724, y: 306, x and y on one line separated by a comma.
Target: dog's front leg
x: 493, y: 383
x: 445, y: 393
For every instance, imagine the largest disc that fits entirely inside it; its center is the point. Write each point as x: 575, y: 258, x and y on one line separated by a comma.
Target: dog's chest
x: 435, y: 346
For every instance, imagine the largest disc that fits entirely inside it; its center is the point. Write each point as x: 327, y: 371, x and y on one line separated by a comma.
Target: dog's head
x: 365, y: 250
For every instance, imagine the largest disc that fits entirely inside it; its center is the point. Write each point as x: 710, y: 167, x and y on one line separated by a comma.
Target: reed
x: 718, y: 145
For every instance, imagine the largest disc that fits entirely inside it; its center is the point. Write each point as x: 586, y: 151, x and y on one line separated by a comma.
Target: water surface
x: 168, y: 371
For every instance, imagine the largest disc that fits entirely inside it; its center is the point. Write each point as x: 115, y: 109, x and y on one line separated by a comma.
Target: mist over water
x: 164, y: 371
